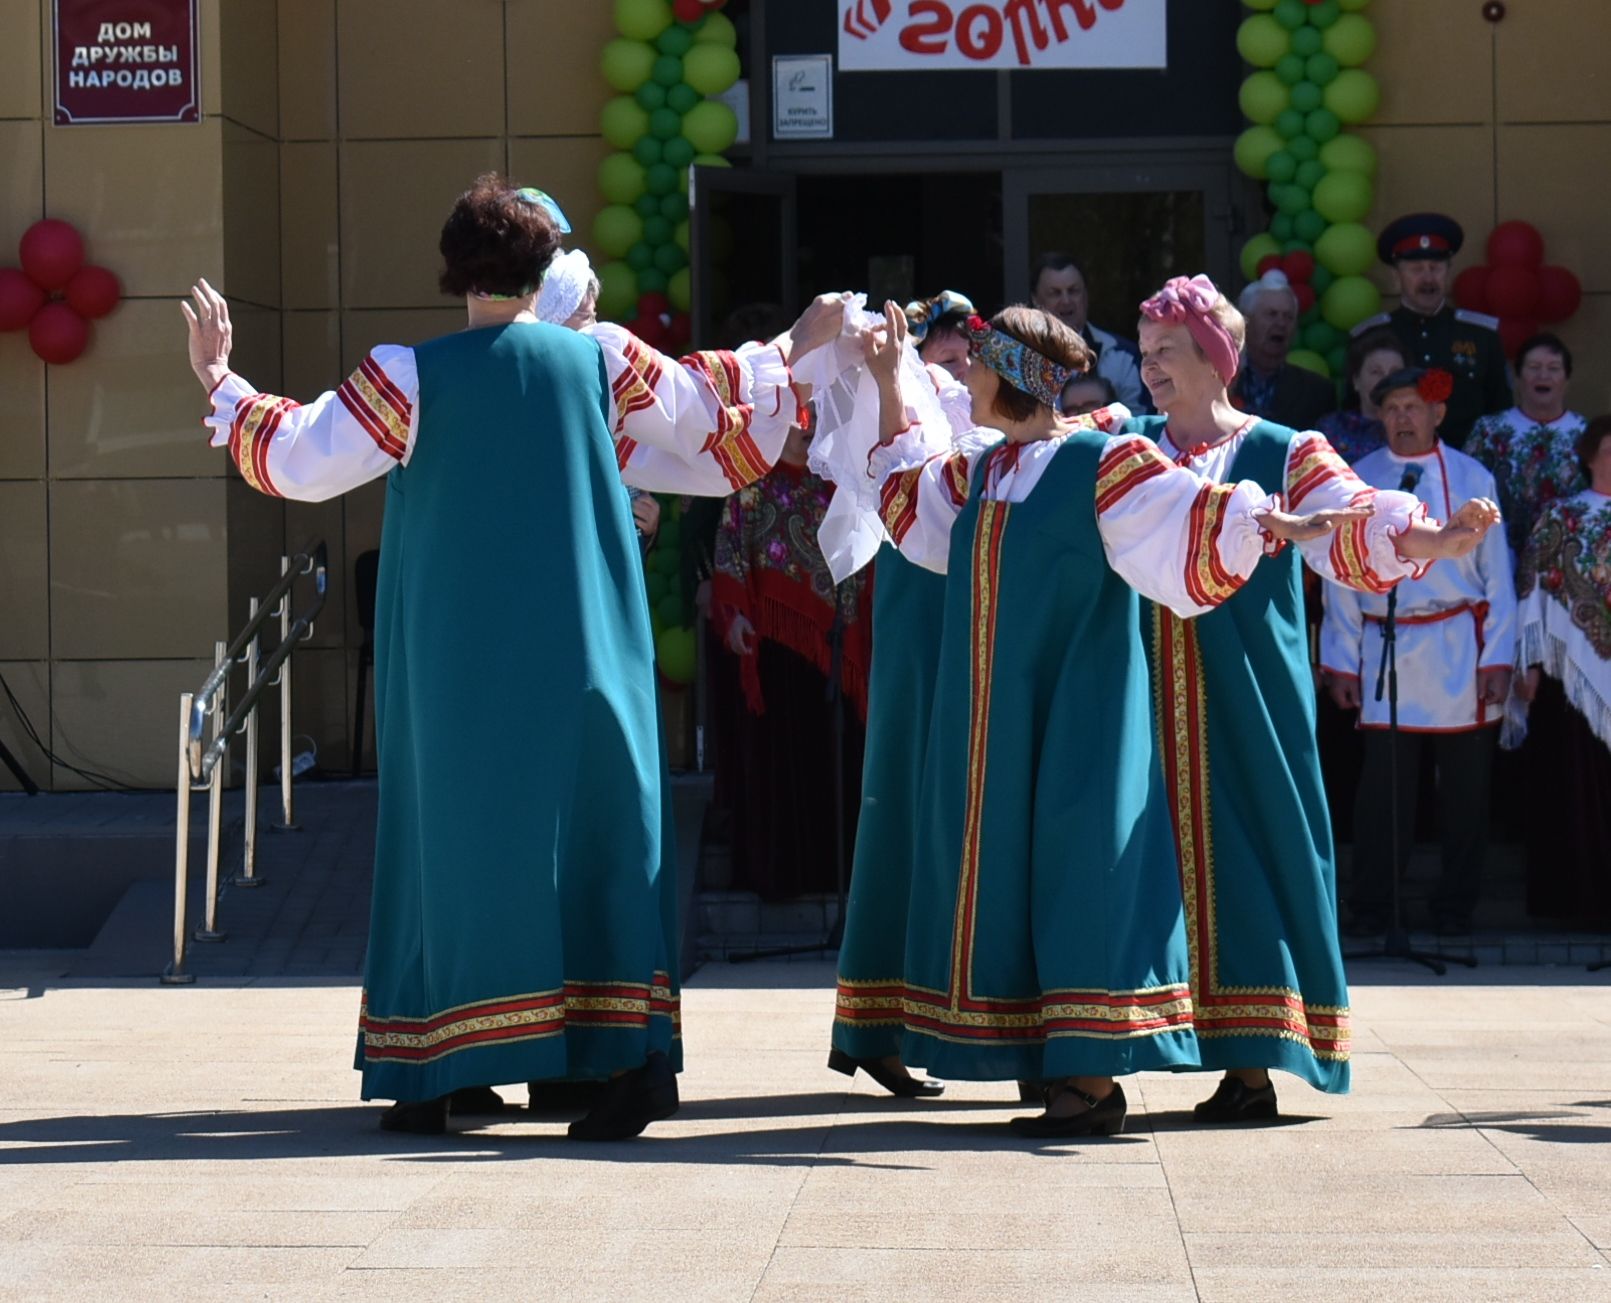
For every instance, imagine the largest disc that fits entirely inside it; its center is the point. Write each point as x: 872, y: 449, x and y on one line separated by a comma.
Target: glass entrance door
x: 742, y: 245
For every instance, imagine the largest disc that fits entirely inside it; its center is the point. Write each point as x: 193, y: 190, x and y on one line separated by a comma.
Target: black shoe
x: 630, y: 1102
x: 898, y: 1084
x: 427, y: 1117
x: 1236, y: 1101
x: 476, y: 1101
x: 563, y: 1096
x: 1032, y: 1092
x: 1100, y: 1117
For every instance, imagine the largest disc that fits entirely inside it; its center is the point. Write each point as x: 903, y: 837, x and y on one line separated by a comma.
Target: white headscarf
x: 564, y: 287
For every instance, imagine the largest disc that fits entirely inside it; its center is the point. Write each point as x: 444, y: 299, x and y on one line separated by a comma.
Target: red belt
x: 1479, y: 615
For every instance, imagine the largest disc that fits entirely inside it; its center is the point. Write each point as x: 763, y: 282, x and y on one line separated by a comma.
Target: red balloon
x: 651, y: 330
x: 1516, y: 244
x: 654, y: 305
x: 1560, y: 294
x: 20, y: 299
x: 1306, y: 296
x: 1471, y: 289
x: 688, y: 11
x: 1516, y: 331
x: 51, y: 252
x: 1270, y: 262
x: 93, y: 292
x: 1513, y: 291
x: 1299, y: 267
x: 681, y: 330
x: 58, y: 334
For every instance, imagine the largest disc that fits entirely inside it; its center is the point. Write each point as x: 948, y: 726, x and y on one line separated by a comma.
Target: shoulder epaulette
x: 1370, y: 323
x: 1476, y: 319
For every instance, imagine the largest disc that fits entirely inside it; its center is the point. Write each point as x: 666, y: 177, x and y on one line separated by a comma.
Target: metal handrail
x: 202, y: 762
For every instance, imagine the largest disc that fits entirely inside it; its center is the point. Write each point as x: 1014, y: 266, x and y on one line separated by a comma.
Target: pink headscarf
x: 1190, y: 301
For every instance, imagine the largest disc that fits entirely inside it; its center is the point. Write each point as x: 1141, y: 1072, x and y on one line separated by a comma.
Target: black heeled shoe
x: 900, y: 1085
x: 630, y: 1102
x: 563, y: 1096
x: 426, y: 1117
x: 1033, y: 1092
x: 1100, y: 1117
x: 476, y: 1101
x: 1236, y: 1101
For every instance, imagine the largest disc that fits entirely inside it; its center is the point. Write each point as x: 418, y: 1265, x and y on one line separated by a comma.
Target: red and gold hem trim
x: 1118, y: 1015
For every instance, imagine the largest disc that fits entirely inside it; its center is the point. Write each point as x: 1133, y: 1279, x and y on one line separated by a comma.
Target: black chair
x: 365, y: 575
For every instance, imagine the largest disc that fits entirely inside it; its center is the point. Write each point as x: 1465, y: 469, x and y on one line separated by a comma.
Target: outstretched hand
x: 1465, y: 529
x: 211, y: 335
x: 819, y: 324
x: 1317, y: 524
x: 883, y: 348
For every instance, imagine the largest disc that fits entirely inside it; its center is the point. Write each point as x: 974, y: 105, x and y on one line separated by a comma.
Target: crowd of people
x: 1094, y: 836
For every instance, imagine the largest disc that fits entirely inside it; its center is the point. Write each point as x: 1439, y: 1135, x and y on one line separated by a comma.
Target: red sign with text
x: 126, y: 61
x: 895, y: 35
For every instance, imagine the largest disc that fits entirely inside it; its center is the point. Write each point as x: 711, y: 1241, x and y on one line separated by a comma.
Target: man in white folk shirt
x: 1456, y: 646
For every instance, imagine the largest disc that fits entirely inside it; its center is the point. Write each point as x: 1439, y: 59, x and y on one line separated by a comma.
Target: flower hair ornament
x: 1015, y: 362
x: 1189, y: 301
x: 921, y: 314
x: 1436, y: 385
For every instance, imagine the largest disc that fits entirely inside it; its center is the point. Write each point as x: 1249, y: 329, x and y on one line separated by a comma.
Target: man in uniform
x: 1434, y: 332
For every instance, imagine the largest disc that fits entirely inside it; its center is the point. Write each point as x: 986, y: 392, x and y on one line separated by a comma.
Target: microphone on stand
x: 1412, y: 477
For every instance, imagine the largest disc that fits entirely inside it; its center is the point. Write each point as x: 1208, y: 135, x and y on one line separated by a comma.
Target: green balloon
x: 616, y: 229
x: 656, y: 231
x: 642, y: 20
x: 1262, y: 41
x: 674, y: 207
x: 626, y: 65
x: 1323, y: 15
x: 1321, y: 125
x: 646, y: 206
x: 1265, y: 5
x: 1349, y: 153
x: 618, y: 292
x: 710, y: 69
x: 1255, y: 147
x: 1281, y: 227
x: 1349, y: 301
x: 1337, y: 359
x: 651, y: 95
x: 1282, y: 167
x: 1320, y: 279
x: 1322, y: 69
x: 667, y: 71
x: 1292, y: 201
x: 640, y: 257
x: 668, y: 258
x: 1290, y: 124
x: 647, y: 151
x: 1322, y: 337
x: 679, y: 152
x: 1289, y: 68
x: 1353, y: 6
x: 680, y: 289
x: 675, y: 652
x: 1309, y: 362
x: 1296, y: 246
x: 1347, y: 249
x: 682, y: 97
x: 1306, y: 97
x: 717, y: 29
x: 1351, y: 40
x: 623, y: 121
x: 1307, y: 42
x: 661, y: 179
x: 710, y: 127
x: 654, y: 584
x: 680, y: 235
x: 1344, y: 197
x: 664, y: 124
x: 1256, y: 251
x: 621, y: 178
x: 1303, y: 148
x: 669, y: 609
x: 675, y: 41
x: 1308, y: 225
x: 1354, y: 96
x: 652, y: 281
x: 1291, y: 14
x: 1309, y: 174
x: 1264, y: 98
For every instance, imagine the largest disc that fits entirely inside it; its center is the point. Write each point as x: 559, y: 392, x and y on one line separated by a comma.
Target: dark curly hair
x: 1594, y: 434
x: 1046, y: 335
x: 496, y: 242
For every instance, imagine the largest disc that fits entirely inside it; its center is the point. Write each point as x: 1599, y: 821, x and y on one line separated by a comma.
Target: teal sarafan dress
x: 908, y: 605
x: 523, y: 922
x: 1045, y: 934
x: 1233, y: 696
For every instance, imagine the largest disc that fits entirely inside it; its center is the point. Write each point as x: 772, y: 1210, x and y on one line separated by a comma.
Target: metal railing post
x: 247, y: 877
x: 174, y: 974
x: 288, y: 809
x: 215, y: 804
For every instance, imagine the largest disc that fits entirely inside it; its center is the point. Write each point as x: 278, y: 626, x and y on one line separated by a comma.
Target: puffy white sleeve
x: 320, y: 450
x: 1175, y: 537
x: 922, y: 496
x: 707, y: 425
x: 1362, y: 554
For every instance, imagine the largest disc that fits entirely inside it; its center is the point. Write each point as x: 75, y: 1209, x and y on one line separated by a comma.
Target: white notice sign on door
x: 802, y: 97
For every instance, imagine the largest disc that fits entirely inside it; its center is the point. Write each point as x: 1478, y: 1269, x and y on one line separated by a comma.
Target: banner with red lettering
x: 125, y: 61
x: 915, y: 35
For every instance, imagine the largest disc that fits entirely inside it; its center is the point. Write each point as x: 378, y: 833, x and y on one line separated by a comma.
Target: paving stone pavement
x: 206, y: 1142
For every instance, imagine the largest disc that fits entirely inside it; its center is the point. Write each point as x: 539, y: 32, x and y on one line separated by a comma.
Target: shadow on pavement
x: 1549, y: 1125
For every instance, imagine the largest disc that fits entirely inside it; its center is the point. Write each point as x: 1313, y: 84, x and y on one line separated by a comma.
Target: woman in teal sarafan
x: 1045, y: 938
x: 1234, y: 704
x: 523, y: 921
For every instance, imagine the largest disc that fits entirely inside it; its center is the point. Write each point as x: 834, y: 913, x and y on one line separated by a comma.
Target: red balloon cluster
x: 659, y: 326
x: 691, y: 11
x: 1300, y: 270
x: 56, y: 294
x: 1517, y: 287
